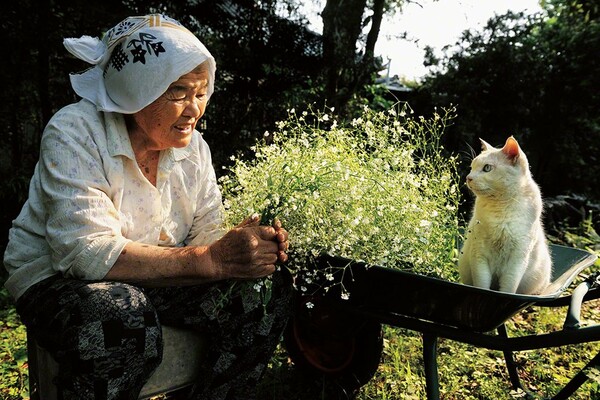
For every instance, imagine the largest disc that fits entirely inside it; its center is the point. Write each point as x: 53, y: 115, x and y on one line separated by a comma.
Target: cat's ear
x: 511, y: 149
x: 485, y: 145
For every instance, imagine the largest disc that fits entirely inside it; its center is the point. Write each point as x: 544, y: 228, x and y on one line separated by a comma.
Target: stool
x: 183, y: 350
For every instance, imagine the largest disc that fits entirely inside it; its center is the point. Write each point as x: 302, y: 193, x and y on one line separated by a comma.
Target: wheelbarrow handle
x: 572, y: 321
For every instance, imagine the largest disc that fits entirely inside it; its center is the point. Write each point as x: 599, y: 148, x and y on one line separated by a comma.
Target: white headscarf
x: 136, y: 61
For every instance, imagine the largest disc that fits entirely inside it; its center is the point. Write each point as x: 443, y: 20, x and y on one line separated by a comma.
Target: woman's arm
x: 248, y: 251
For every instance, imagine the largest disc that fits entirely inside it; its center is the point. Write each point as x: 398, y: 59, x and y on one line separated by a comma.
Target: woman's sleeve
x: 208, y: 225
x: 83, y: 227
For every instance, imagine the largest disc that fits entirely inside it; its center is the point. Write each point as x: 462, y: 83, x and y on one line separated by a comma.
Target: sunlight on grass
x: 14, y: 382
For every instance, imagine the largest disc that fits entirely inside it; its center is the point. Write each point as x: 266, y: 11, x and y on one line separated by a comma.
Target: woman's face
x: 170, y: 120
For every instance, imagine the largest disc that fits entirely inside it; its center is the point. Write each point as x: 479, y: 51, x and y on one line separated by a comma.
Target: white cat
x: 505, y: 247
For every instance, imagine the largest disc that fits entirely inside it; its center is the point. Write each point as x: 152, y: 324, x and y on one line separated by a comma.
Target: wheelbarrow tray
x: 443, y: 302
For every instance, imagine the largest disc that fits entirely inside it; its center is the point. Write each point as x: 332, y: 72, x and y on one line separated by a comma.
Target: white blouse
x: 88, y: 199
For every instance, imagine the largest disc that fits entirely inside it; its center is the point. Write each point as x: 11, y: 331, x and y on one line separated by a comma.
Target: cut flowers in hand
x: 379, y: 189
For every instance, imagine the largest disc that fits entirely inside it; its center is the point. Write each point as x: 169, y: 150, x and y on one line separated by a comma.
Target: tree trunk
x: 378, y: 7
x: 342, y: 24
x: 345, y: 71
x: 367, y: 65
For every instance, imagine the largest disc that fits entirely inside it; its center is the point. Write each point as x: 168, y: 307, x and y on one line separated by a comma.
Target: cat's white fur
x: 505, y: 247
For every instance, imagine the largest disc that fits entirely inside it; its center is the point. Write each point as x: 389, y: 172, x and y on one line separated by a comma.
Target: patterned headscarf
x: 136, y: 61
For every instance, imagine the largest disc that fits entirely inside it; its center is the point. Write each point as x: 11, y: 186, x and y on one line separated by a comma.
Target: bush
x: 379, y: 189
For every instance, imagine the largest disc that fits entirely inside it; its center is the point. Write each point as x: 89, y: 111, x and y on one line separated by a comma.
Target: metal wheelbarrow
x: 342, y: 339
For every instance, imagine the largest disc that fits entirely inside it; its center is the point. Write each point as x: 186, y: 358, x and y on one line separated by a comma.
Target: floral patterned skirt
x: 106, y: 336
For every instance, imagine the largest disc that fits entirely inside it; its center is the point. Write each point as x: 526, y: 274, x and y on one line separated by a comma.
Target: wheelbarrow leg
x: 431, y: 370
x: 577, y: 380
x: 511, y: 366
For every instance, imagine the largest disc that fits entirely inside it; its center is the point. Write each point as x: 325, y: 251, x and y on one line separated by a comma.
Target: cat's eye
x: 487, y: 168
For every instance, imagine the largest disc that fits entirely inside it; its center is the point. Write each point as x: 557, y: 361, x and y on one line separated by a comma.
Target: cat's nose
x: 469, y: 179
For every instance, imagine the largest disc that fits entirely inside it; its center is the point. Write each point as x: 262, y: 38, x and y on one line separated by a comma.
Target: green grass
x: 465, y: 372
x: 13, y: 352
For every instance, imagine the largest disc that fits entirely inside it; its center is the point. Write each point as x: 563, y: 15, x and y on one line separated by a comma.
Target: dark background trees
x: 537, y: 78
x: 35, y: 82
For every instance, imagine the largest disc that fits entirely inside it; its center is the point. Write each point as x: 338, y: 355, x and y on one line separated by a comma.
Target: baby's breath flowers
x: 379, y: 189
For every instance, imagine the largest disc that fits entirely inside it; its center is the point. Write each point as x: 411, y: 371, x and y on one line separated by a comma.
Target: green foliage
x: 535, y: 77
x: 13, y: 352
x: 379, y: 189
x: 375, y: 96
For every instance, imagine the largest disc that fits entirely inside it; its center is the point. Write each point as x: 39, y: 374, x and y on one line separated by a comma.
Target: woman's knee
x: 115, y: 314
x: 116, y: 301
x: 105, y: 336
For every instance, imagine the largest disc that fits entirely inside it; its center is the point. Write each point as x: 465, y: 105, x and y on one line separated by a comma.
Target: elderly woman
x: 122, y: 231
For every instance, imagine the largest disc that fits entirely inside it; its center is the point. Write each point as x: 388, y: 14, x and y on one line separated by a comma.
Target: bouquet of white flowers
x: 379, y: 189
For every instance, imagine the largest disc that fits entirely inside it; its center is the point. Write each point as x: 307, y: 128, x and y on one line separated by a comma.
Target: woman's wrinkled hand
x: 249, y: 250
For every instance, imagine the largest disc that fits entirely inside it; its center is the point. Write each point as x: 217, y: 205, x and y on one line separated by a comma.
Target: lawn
x: 465, y: 372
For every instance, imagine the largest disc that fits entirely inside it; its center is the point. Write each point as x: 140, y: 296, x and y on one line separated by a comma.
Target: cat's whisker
x: 473, y: 153
x: 466, y: 156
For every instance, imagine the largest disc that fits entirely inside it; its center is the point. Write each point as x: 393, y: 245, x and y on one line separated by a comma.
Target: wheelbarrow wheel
x: 326, y: 341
